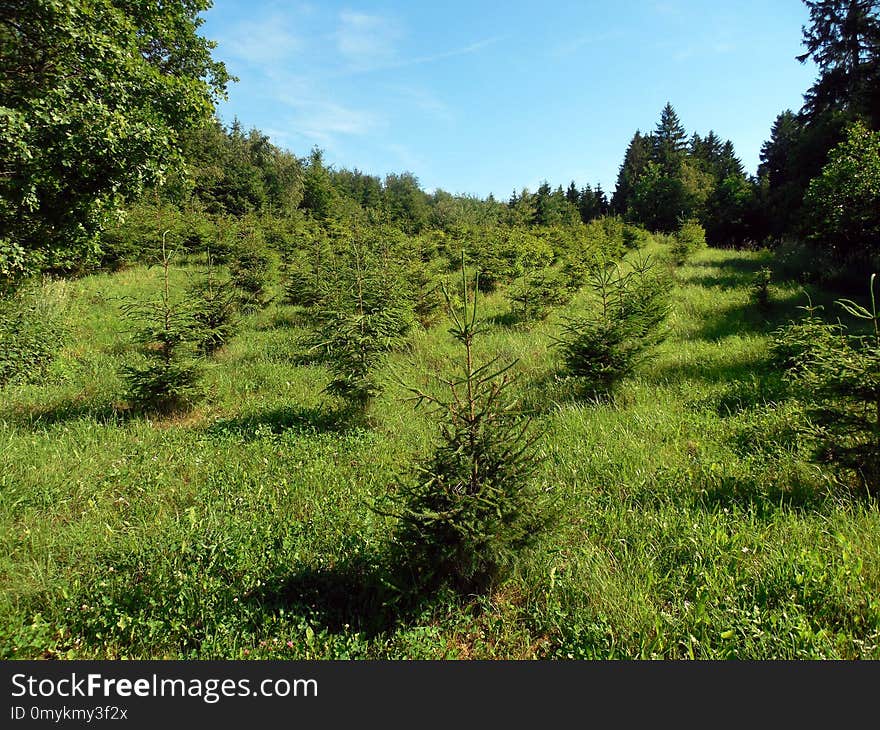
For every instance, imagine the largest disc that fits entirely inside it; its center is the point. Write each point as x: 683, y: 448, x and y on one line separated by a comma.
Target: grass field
x: 691, y: 521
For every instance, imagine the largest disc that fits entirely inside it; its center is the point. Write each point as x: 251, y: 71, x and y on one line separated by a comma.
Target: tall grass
x: 692, y: 520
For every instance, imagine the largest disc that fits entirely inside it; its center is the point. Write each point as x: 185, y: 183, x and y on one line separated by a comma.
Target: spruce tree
x: 843, y: 39
x: 669, y: 141
x: 635, y: 162
x: 474, y: 504
x: 167, y: 378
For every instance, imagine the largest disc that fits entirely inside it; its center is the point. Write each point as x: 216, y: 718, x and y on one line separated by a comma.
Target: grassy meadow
x: 690, y: 520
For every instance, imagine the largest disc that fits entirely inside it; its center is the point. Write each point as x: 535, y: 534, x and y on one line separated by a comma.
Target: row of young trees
x: 102, y: 100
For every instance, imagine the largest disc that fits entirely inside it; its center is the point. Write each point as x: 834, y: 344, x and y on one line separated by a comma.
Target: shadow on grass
x: 732, y: 272
x: 286, y: 317
x: 513, y: 320
x: 359, y: 594
x: 750, y: 318
x: 746, y: 394
x: 554, y: 391
x: 69, y: 410
x: 765, y: 498
x: 296, y: 419
x: 743, y: 367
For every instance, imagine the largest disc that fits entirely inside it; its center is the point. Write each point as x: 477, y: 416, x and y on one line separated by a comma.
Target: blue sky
x: 484, y: 97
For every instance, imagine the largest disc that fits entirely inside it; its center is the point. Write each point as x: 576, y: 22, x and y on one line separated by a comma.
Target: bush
x: 690, y: 238
x: 796, y: 343
x: 475, y: 506
x: 534, y: 295
x: 760, y: 288
x: 606, y: 345
x: 30, y: 335
x: 841, y: 372
x: 168, y: 378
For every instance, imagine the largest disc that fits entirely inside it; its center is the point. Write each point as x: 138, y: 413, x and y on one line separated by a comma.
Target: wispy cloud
x: 587, y: 39
x: 265, y: 41
x: 365, y: 40
x: 423, y: 100
x: 433, y: 57
x: 296, y: 55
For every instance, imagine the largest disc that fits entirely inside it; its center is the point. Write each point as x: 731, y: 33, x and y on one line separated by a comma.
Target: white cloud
x: 366, y: 40
x: 265, y: 41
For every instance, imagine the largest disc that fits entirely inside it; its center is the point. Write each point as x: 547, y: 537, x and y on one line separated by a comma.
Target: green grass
x: 691, y: 521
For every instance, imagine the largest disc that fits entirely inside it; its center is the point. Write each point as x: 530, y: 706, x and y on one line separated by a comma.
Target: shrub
x: 167, y: 379
x: 607, y: 344
x: 30, y: 335
x: 475, y: 506
x: 795, y: 343
x: 760, y: 288
x: 534, y: 295
x: 841, y: 372
x: 688, y: 239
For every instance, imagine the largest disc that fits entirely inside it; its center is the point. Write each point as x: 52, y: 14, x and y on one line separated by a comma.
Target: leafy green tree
x: 691, y: 237
x: 659, y: 200
x: 95, y: 97
x: 405, y: 202
x: 843, y: 203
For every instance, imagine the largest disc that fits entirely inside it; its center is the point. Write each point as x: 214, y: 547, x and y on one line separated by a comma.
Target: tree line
x: 108, y: 107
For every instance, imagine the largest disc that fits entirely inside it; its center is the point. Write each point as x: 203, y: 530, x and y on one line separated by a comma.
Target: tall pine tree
x: 635, y: 162
x: 669, y: 141
x: 844, y: 41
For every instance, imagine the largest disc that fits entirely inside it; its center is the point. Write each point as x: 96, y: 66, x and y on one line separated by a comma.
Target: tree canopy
x: 95, y: 96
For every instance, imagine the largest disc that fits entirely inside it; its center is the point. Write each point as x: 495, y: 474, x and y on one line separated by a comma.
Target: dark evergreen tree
x: 635, y: 162
x: 588, y: 205
x: 601, y: 200
x: 844, y: 41
x: 319, y: 196
x: 669, y: 141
